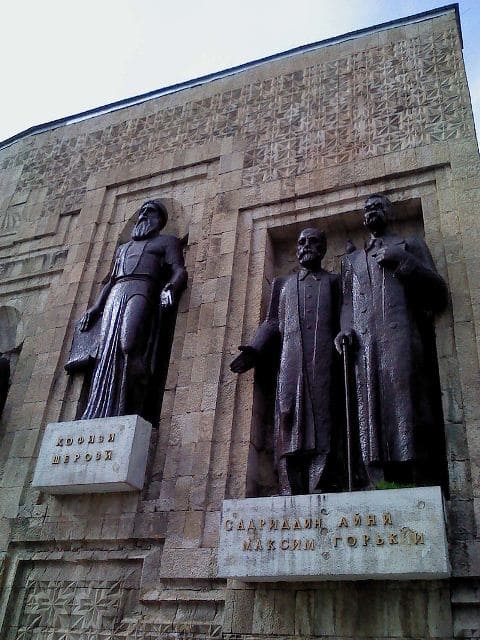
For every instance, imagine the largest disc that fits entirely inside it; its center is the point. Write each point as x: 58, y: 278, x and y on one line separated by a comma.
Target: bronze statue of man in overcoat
x: 391, y: 291
x: 301, y: 324
x: 148, y: 277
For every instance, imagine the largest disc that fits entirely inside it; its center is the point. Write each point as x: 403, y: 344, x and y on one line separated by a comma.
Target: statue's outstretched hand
x: 345, y: 337
x: 89, y: 317
x: 245, y: 361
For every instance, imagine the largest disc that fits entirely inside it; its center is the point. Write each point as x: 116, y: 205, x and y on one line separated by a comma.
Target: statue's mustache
x: 307, y: 251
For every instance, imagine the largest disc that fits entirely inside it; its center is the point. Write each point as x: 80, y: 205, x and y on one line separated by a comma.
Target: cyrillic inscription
x: 380, y: 538
x: 104, y: 454
x: 93, y: 456
x: 396, y: 534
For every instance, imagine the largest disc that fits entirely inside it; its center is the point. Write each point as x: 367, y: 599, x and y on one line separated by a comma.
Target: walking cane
x: 346, y: 375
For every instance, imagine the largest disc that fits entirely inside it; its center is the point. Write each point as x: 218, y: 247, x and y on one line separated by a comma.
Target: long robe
x: 132, y: 314
x: 109, y: 390
x: 302, y: 318
x: 391, y: 311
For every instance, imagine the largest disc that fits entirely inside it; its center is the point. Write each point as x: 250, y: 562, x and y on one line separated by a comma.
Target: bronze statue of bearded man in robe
x: 147, y: 279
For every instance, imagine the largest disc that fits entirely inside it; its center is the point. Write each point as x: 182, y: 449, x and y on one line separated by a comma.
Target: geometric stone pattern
x: 166, y: 631
x: 83, y: 606
x: 366, y: 104
x: 63, y: 600
x: 71, y: 605
x: 70, y: 609
x: 93, y: 610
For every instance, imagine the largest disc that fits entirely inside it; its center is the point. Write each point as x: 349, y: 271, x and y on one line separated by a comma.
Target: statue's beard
x: 375, y: 222
x: 309, y: 259
x: 143, y: 229
x: 306, y: 257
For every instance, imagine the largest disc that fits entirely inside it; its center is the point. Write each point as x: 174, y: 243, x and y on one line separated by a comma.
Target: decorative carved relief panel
x: 390, y: 97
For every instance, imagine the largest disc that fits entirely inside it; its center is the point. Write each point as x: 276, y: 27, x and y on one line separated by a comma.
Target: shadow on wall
x: 11, y: 341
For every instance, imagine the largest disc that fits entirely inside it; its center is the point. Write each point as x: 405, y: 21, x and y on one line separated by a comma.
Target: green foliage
x: 385, y: 484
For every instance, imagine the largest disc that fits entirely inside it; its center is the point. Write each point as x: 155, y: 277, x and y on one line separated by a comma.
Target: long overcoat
x: 391, y: 313
x: 303, y: 319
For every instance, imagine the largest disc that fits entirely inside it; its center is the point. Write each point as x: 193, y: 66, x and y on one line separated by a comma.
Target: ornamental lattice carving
x: 95, y: 610
x: 391, y: 97
x: 71, y: 609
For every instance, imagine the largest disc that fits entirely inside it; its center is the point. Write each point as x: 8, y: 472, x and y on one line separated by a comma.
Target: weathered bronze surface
x: 391, y: 291
x: 298, y: 333
x: 145, y: 284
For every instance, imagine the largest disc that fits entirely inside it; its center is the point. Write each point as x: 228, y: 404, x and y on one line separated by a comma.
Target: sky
x: 61, y: 57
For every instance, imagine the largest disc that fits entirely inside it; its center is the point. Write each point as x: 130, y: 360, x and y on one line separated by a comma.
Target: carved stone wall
x: 242, y: 163
x: 56, y: 607
x: 356, y: 104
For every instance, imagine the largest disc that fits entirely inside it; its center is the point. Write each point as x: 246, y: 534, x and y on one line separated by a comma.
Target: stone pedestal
x: 93, y: 456
x: 389, y: 535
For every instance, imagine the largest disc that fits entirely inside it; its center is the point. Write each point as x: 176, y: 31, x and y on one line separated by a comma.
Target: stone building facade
x: 242, y: 162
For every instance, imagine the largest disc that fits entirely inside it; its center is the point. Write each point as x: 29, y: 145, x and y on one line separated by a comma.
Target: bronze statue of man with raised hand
x: 301, y: 324
x: 148, y: 277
